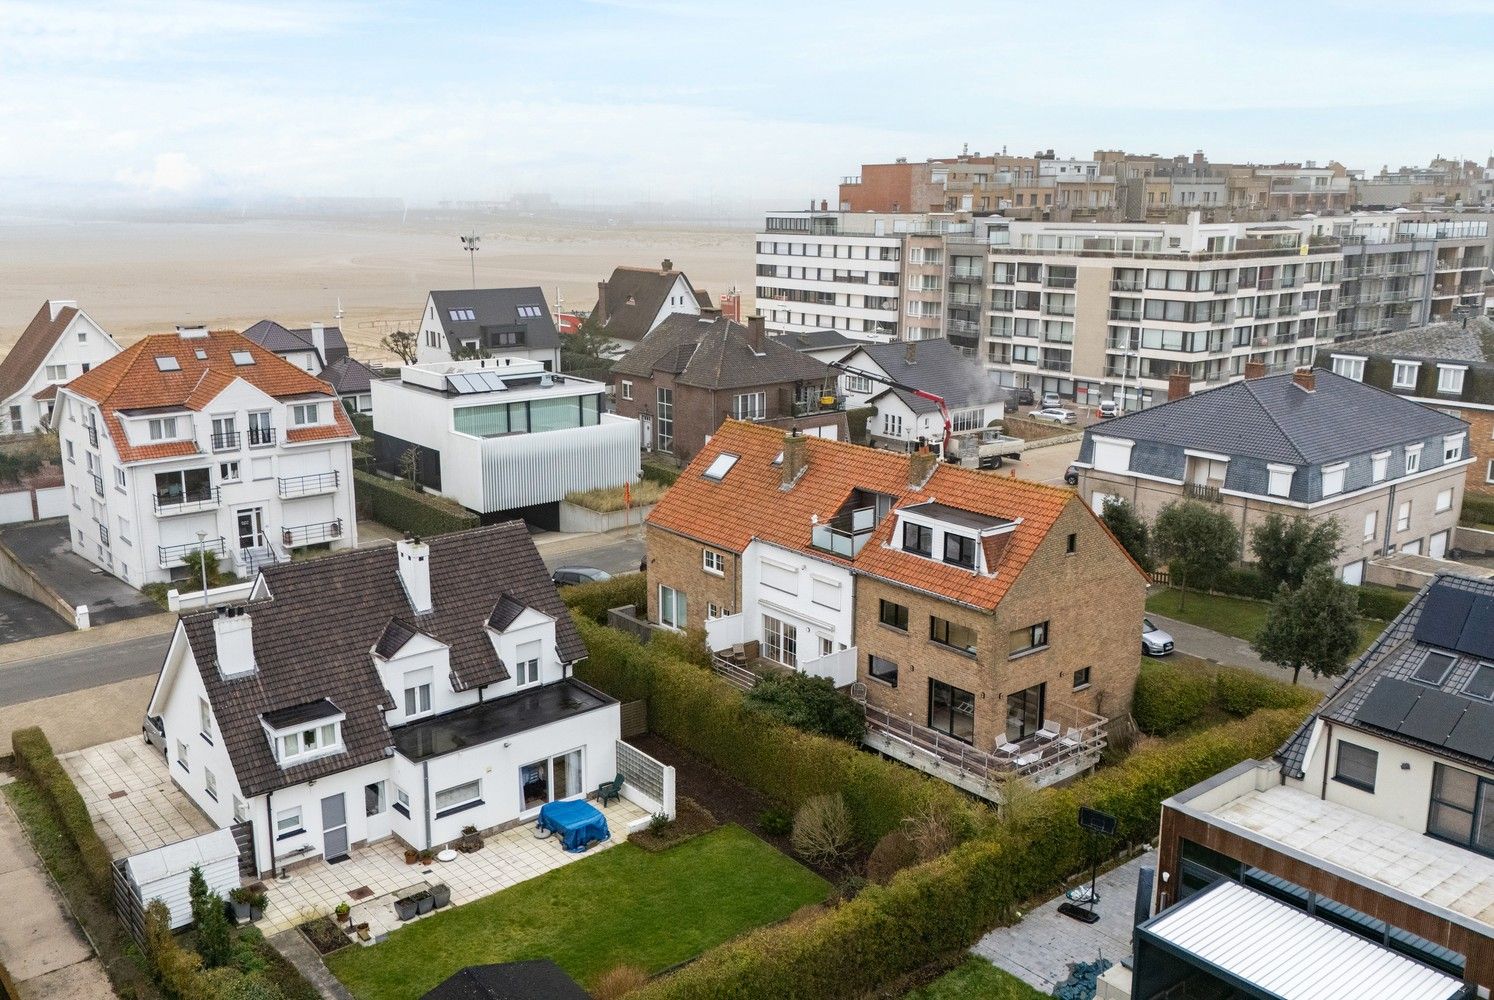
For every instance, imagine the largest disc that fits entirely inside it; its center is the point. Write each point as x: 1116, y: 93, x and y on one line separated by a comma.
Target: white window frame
x: 288, y: 822
x: 1349, y: 366
x: 1279, y: 483
x: 292, y: 745
x: 1450, y: 379
x: 1410, y: 369
x: 1339, y: 472
x: 1403, y: 516
x: 1452, y: 448
x: 713, y: 562
x: 527, y: 663
x: 749, y: 406
x: 229, y: 472
x: 451, y: 806
x: 210, y: 784
x: 205, y: 718
x: 1371, y: 523
x: 306, y: 414
x: 673, y: 610
x: 892, y: 425
x: 1379, y: 466
x: 1413, y: 459
x: 56, y: 373
x: 1444, y: 500
x: 418, y: 693
x: 627, y: 389
x: 162, y: 428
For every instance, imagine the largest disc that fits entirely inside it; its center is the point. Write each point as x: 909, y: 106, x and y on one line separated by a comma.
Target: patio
x: 375, y: 875
x: 130, y: 795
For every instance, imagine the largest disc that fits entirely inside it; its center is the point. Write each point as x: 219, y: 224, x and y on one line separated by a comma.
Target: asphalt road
x: 42, y: 677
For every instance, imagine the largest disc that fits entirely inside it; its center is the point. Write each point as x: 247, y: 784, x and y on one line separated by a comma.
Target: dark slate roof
x: 393, y: 638
x: 505, y: 612
x: 818, y: 340
x: 1394, y: 658
x: 1274, y: 420
x: 712, y: 352
x: 314, y: 634
x: 32, y: 347
x: 634, y: 297
x: 1450, y: 342
x: 498, y: 308
x: 536, y: 979
x: 938, y: 367
x: 297, y: 715
x: 282, y: 340
x: 348, y: 376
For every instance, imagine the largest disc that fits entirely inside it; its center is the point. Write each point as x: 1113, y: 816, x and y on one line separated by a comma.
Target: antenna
x: 470, y: 244
x: 338, y: 315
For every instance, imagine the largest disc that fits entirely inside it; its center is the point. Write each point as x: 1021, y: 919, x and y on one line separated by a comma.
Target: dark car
x: 1071, y: 475
x: 154, y: 731
x: 1022, y: 396
x: 567, y: 575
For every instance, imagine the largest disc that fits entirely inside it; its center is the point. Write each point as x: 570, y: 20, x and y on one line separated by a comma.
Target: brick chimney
x: 1179, y: 385
x: 756, y: 333
x: 666, y: 264
x: 910, y: 352
x: 921, y: 465
x: 1305, y: 379
x: 601, y: 302
x: 824, y: 205
x: 1255, y: 369
x: 795, y: 457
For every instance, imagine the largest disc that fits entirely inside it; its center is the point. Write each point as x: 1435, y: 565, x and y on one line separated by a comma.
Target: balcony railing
x: 261, y: 437
x: 1125, y: 285
x: 307, y: 486
x: 311, y: 534
x: 846, y: 534
x: 1125, y: 315
x: 1201, y: 491
x: 825, y: 403
x: 960, y: 273
x: 1056, y: 366
x: 174, y: 555
x: 226, y: 441
x: 98, y: 484
x: 963, y: 299
x: 968, y: 327
x: 185, y: 503
x: 93, y: 436
x: 1059, y: 282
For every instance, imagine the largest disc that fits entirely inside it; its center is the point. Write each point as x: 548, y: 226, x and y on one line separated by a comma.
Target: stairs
x: 243, y: 836
x: 253, y: 559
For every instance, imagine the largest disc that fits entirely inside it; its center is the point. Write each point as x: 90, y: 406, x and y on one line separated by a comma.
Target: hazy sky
x: 616, y: 100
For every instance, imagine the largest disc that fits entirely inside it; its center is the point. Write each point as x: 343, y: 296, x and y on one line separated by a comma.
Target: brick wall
x: 1481, y: 447
x: 678, y: 562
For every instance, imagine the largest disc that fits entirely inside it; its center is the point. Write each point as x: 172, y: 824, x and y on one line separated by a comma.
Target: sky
x: 719, y: 101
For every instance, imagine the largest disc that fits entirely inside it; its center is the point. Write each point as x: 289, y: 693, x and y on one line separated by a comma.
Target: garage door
x: 1437, y: 545
x: 1354, y: 573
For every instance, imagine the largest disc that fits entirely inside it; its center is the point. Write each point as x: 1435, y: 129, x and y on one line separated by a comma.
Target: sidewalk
x: 72, y: 641
x: 40, y: 945
x: 1229, y: 651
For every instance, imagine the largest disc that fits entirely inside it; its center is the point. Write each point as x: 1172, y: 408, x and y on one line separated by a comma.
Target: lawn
x: 977, y: 979
x: 621, y: 906
x: 1236, y: 616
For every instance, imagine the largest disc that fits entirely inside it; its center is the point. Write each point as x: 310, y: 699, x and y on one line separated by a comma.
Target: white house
x: 488, y: 322
x: 973, y: 397
x: 502, y: 434
x: 407, y: 690
x: 60, y: 343
x: 635, y: 300
x: 202, y: 440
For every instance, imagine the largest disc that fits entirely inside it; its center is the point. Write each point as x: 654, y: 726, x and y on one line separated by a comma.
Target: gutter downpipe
x: 425, y: 779
x: 1328, y: 747
x: 270, y: 828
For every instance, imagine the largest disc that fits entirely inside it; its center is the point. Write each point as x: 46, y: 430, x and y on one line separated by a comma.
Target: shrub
x: 1241, y: 581
x: 690, y: 645
x: 362, y: 423
x: 776, y: 822
x: 809, y: 703
x: 595, y: 599
x: 823, y: 833
x: 396, y: 505
x: 37, y: 763
x: 618, y: 982
x: 1241, y: 693
x: 607, y: 499
x: 664, y: 475
x: 856, y: 421
x: 894, y: 852
x: 1477, y: 510
x: 1382, y: 603
x: 933, y: 830
x: 1169, y: 697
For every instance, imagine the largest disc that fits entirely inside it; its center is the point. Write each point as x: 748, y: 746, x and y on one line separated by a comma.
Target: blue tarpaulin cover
x: 580, y: 824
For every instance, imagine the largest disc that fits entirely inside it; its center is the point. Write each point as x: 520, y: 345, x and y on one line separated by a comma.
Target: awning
x: 1287, y: 953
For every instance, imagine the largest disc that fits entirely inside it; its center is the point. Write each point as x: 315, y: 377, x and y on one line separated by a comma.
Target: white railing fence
x: 647, y: 783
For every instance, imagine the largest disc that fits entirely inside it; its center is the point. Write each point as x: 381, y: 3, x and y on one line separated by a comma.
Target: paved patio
x: 128, y: 791
x: 375, y: 875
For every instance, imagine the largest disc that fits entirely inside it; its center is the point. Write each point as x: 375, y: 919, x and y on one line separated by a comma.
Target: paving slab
x: 152, y: 812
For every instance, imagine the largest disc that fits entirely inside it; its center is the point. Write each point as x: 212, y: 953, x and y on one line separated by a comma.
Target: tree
x: 1131, y: 531
x: 470, y: 353
x: 1286, y: 548
x: 1315, y: 626
x: 1197, y: 541
x: 401, y: 344
x: 409, y: 465
x: 589, y: 351
x: 214, y: 942
x: 809, y: 703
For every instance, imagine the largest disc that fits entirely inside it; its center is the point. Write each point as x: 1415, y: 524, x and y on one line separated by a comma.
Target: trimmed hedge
x: 38, y: 764
x: 362, y: 423
x: 856, y: 420
x: 662, y: 474
x: 945, y: 905
x: 1170, y: 696
x: 1382, y: 603
x: 697, y: 711
x: 1477, y: 509
x: 402, y: 508
x: 595, y: 599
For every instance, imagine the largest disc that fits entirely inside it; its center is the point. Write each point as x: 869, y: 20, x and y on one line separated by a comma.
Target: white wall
x: 96, y: 348
x: 797, y: 606
x: 679, y: 300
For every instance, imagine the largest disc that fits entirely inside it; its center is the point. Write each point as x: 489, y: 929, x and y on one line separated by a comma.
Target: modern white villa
x: 194, y: 440
x: 502, y: 434
x: 60, y: 343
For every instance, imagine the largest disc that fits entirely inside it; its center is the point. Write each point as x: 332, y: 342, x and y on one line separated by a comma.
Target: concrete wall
x: 574, y: 518
x: 16, y: 575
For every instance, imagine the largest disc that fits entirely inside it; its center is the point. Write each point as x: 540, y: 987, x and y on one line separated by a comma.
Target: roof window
x: 459, y: 315
x: 721, y: 466
x: 167, y: 363
x: 529, y: 312
x: 201, y: 354
x: 242, y: 358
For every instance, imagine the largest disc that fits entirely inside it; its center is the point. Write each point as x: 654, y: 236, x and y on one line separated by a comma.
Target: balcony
x: 1052, y: 309
x: 962, y: 273
x: 1203, y: 491
x: 963, y: 299
x: 1125, y: 285
x: 191, y: 501
x: 168, y: 556
x: 845, y: 534
x: 227, y: 441
x: 967, y: 327
x: 1059, y: 282
x: 311, y: 534
x: 1125, y: 315
x: 827, y: 402
x: 261, y: 437
x: 1055, y: 365
x: 93, y: 436
x: 98, y: 484
x: 291, y: 487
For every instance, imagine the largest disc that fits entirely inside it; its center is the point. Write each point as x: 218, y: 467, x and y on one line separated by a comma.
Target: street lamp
x: 202, y: 563
x: 469, y: 244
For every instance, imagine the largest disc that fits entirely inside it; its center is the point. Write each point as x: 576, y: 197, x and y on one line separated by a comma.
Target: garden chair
x: 609, y: 790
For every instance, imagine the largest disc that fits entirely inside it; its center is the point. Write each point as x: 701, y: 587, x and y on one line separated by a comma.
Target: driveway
x: 22, y: 618
x: 130, y: 795
x: 43, y: 546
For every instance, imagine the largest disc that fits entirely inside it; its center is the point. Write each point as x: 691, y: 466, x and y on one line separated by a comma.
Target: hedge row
x: 595, y: 599
x: 362, y: 423
x: 1477, y: 509
x: 946, y: 904
x: 661, y: 474
x: 403, y: 509
x: 1380, y: 603
x: 697, y: 711
x: 38, y: 764
x: 1171, y: 696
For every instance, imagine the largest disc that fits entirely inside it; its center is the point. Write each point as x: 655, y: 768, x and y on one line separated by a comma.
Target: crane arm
x: 895, y: 384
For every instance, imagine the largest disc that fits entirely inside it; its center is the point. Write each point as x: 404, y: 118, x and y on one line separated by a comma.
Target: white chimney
x: 233, y: 635
x: 319, y: 340
x: 57, y: 305
x: 415, y: 572
x: 191, y: 332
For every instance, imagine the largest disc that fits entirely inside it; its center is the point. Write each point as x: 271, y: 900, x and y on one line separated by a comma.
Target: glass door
x: 1024, y: 713
x: 560, y: 777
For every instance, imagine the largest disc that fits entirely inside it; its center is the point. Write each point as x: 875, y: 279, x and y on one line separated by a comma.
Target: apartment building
x: 196, y: 440
x: 60, y: 343
x: 941, y: 596
x: 1362, y: 854
x: 1310, y: 443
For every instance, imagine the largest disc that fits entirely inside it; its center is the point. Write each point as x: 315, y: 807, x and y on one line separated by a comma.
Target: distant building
x: 971, y: 394
x: 488, y: 323
x: 60, y: 343
x: 321, y: 351
x: 634, y: 300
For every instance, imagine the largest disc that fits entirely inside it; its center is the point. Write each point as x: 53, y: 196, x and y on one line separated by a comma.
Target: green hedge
x: 1477, y: 509
x: 38, y: 764
x: 697, y: 711
x: 400, y: 507
x: 363, y: 424
x: 1171, y: 695
x: 945, y: 905
x: 595, y: 599
x: 662, y: 474
x: 1240, y: 581
x: 1382, y: 603
x: 856, y: 421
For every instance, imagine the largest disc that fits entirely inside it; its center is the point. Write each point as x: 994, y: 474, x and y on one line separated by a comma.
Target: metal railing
x: 311, y: 534
x: 1198, y: 491
x: 93, y: 436
x: 186, y: 502
x: 1125, y: 315
x: 963, y: 299
x: 965, y: 326
x: 261, y: 437
x: 1059, y: 282
x: 306, y: 486
x: 828, y: 403
x: 1125, y: 285
x: 171, y: 555
x: 226, y: 441
x: 734, y: 674
x: 98, y: 483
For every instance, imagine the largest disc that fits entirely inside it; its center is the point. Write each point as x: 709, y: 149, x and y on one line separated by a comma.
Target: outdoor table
x: 580, y: 824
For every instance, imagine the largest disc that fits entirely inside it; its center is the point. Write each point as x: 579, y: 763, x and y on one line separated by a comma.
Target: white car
x: 1109, y: 408
x: 1056, y: 415
x: 1051, y: 401
x: 1154, y: 641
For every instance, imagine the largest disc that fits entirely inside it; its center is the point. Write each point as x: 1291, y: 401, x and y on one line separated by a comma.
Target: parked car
x: 1056, y: 415
x: 154, y: 731
x: 1071, y: 475
x: 1052, y: 401
x: 1154, y: 641
x: 567, y: 575
x: 1022, y: 396
x: 1109, y: 408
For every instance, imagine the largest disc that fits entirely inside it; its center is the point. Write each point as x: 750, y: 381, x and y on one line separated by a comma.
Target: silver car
x: 1055, y: 415
x: 1154, y: 641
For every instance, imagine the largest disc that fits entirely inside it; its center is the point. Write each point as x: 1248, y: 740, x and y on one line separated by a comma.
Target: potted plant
x: 242, y: 900
x: 286, y: 538
x: 427, y: 856
x: 258, y: 901
x: 405, y: 908
x: 424, y: 901
x: 470, y: 841
x: 342, y: 912
x: 411, y: 855
x: 441, y: 894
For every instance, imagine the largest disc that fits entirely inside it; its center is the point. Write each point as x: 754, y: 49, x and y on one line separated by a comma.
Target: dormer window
x: 311, y: 741
x: 418, y: 692
x: 162, y: 428
x: 304, y: 414
x: 918, y: 539
x: 959, y: 550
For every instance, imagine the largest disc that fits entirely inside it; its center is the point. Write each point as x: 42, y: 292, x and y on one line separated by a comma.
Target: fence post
x: 668, y: 789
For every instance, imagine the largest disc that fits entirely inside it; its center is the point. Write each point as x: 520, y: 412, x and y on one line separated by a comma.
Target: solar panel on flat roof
x: 1474, y: 734
x: 1388, y: 704
x: 1433, y: 716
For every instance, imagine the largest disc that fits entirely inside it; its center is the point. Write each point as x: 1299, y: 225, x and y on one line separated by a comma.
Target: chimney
x: 415, y: 572
x: 601, y: 302
x: 666, y: 264
x: 824, y: 205
x: 57, y: 305
x: 1179, y: 385
x: 233, y: 638
x: 921, y: 465
x: 319, y: 340
x: 756, y: 333
x: 1306, y: 379
x: 1255, y: 369
x: 910, y: 352
x: 795, y: 457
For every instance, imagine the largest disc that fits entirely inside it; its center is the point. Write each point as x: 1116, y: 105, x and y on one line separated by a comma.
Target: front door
x: 376, y: 810
x: 251, y: 528
x: 334, y: 828
x: 647, y: 423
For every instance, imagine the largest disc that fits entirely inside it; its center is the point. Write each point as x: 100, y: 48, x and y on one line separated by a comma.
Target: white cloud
x: 171, y: 173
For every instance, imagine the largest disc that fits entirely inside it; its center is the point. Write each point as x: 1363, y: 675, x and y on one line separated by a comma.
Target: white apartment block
x: 60, y: 343
x: 199, y: 440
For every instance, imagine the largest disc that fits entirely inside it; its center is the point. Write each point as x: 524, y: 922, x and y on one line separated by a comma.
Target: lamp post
x: 469, y: 244
x: 202, y: 563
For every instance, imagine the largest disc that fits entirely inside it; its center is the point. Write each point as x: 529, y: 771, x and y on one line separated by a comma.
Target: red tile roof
x: 749, y: 503
x: 132, y: 380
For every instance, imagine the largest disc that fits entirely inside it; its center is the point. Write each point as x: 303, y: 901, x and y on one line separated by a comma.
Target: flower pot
x: 405, y: 909
x: 412, y: 856
x: 241, y: 911
x: 424, y: 902
x: 256, y: 912
x: 441, y: 894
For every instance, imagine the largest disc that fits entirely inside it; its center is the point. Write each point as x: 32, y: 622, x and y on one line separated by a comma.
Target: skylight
x: 167, y: 363
x: 529, y: 312
x: 721, y: 466
x: 458, y: 315
x: 243, y: 358
x: 1434, y: 668
x: 201, y: 354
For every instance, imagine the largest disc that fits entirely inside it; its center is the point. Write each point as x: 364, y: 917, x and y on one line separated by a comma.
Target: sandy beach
x: 139, y: 277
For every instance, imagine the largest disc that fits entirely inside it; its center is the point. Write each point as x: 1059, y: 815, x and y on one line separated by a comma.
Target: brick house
x: 1448, y: 366
x: 692, y: 372
x: 949, y: 600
